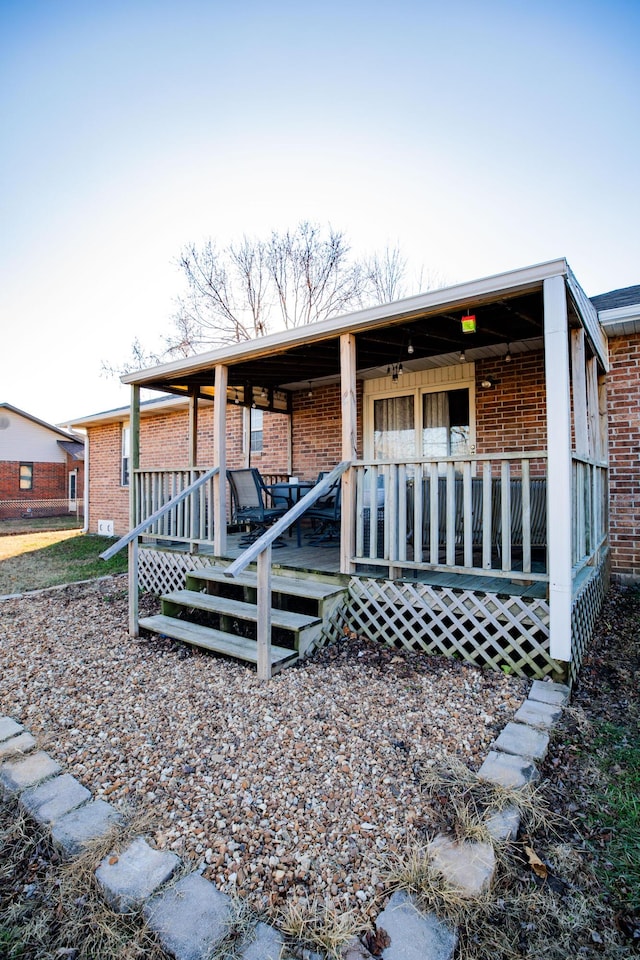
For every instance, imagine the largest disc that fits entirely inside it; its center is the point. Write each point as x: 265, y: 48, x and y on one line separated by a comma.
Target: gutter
x: 85, y: 528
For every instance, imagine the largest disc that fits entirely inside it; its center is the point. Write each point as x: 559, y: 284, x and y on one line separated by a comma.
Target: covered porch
x: 470, y: 428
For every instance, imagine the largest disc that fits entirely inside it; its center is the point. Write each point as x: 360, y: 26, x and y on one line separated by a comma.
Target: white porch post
x: 220, y: 460
x: 559, y: 485
x: 349, y: 449
x: 579, y: 386
x: 134, y: 464
x: 193, y: 430
x: 194, y: 504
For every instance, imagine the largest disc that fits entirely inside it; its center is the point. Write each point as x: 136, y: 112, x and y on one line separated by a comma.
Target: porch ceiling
x: 509, y: 320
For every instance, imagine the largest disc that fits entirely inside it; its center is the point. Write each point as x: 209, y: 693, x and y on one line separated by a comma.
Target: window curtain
x: 394, y: 429
x: 436, y: 420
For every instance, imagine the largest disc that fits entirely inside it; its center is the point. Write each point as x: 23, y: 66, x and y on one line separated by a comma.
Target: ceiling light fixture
x: 507, y: 356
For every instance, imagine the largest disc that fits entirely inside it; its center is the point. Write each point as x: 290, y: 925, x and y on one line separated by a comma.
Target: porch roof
x: 508, y: 308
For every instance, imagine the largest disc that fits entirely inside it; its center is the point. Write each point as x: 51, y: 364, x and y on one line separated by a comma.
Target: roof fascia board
x: 397, y: 312
x: 42, y: 423
x: 121, y: 414
x: 589, y: 316
x: 630, y: 314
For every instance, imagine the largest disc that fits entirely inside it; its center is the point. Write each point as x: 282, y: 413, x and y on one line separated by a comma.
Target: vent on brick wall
x: 105, y: 528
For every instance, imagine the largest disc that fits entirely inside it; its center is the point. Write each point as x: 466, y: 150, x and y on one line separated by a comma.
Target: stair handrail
x: 160, y: 512
x: 319, y: 490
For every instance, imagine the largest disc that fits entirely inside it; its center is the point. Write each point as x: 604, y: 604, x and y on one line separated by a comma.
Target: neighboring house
x: 476, y: 424
x: 41, y: 466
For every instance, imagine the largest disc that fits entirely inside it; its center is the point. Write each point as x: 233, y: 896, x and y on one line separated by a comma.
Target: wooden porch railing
x: 187, y: 519
x: 484, y: 514
x: 590, y: 489
x: 130, y: 539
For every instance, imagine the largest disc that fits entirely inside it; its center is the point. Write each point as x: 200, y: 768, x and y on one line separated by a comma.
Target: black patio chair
x: 325, y: 517
x: 251, y: 504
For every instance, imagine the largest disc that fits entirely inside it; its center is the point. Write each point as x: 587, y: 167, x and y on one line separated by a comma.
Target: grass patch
x: 38, y: 524
x: 543, y: 901
x: 38, y: 560
x: 52, y: 909
x: 614, y: 817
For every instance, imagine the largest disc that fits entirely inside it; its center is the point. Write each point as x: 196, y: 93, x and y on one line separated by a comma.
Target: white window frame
x: 125, y: 455
x: 417, y: 385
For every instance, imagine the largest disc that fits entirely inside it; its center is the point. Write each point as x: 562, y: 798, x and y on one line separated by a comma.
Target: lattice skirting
x: 586, y: 607
x: 161, y: 571
x: 487, y: 629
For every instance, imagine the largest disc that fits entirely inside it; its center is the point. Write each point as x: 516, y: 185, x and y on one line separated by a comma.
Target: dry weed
x: 524, y: 914
x: 320, y: 926
x: 51, y: 908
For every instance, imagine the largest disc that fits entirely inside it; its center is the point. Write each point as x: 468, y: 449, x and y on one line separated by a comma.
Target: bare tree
x: 312, y: 275
x: 386, y: 275
x: 247, y: 289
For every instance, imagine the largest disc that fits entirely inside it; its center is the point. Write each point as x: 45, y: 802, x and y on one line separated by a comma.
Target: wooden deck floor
x: 326, y: 559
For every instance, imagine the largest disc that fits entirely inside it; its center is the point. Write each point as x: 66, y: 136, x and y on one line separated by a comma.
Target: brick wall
x: 511, y: 416
x: 623, y: 403
x: 49, y: 481
x: 164, y: 442
x: 317, y: 430
x: 108, y: 499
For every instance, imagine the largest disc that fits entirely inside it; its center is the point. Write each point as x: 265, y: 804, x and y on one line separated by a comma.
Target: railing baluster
x: 467, y: 514
x: 526, y: 517
x: 451, y: 515
x: 505, y: 499
x: 434, y: 513
x: 418, y: 487
x: 401, y: 549
x: 360, y: 511
x: 373, y: 514
x: 487, y: 514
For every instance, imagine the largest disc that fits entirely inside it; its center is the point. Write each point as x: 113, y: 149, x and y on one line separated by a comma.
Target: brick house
x: 479, y: 429
x: 41, y: 466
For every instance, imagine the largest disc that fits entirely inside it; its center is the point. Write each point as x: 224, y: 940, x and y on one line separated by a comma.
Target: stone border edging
x: 191, y: 917
x: 58, y: 586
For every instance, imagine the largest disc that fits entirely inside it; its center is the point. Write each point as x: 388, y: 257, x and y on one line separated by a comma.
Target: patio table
x: 293, y: 492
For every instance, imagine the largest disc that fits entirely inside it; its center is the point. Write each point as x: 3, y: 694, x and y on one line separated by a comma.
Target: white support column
x: 559, y: 485
x: 349, y: 451
x: 193, y: 505
x: 193, y: 430
x: 220, y: 460
x: 579, y: 385
x: 134, y: 465
x: 593, y: 411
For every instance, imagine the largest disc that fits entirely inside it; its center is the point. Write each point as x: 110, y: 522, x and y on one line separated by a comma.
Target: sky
x: 479, y: 137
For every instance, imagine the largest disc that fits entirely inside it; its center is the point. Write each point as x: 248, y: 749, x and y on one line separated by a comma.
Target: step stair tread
x: 239, y: 608
x: 294, y: 586
x: 217, y: 640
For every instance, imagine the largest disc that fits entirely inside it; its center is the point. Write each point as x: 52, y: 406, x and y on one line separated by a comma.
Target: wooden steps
x: 241, y: 648
x: 220, y: 614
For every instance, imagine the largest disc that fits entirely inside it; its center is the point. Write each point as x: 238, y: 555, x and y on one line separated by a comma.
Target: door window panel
x: 394, y: 434
x: 445, y: 424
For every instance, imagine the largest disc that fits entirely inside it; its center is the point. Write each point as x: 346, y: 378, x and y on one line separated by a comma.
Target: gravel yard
x: 294, y: 788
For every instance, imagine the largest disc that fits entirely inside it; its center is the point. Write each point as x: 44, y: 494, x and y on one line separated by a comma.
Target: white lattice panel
x: 161, y: 571
x: 586, y: 607
x: 481, y: 628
